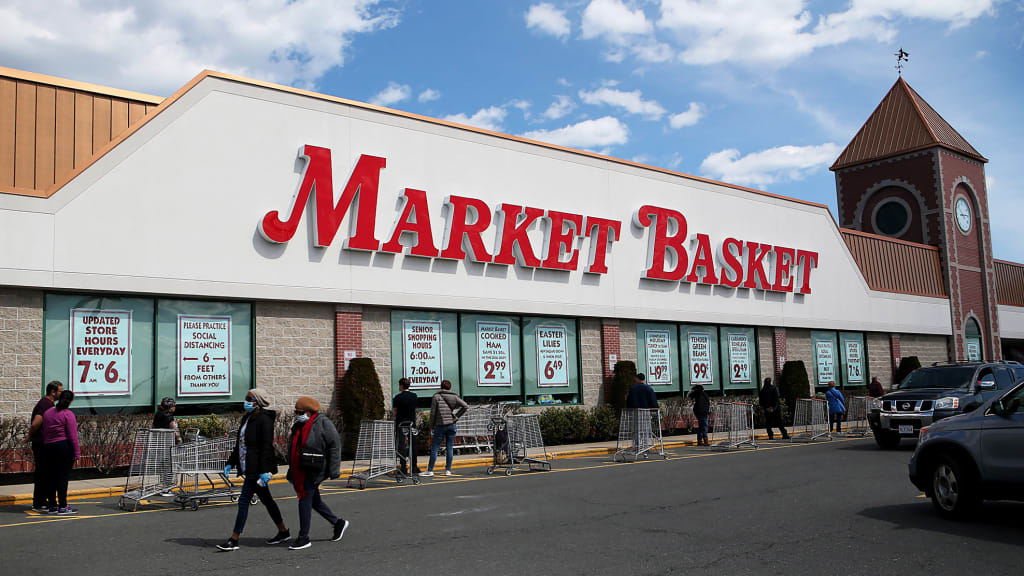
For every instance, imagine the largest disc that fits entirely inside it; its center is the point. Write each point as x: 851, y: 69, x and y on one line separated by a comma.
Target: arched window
x: 972, y: 341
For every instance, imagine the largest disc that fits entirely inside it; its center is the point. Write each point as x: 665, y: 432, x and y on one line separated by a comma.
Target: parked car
x: 963, y: 460
x: 939, y: 391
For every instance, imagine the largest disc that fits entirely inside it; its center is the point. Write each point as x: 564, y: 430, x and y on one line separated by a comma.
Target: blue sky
x: 763, y: 94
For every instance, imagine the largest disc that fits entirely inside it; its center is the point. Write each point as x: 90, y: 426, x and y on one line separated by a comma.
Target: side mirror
x: 997, y: 408
x: 987, y: 385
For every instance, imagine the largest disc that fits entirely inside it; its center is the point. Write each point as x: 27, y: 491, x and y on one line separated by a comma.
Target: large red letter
x: 559, y: 238
x: 601, y: 243
x: 460, y: 209
x: 513, y: 240
x: 784, y: 261
x: 317, y: 180
x: 731, y: 262
x: 705, y: 259
x: 756, y: 276
x: 807, y: 260
x: 661, y: 243
x: 413, y: 218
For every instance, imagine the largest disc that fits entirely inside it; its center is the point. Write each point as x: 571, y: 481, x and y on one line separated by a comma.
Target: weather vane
x: 901, y: 57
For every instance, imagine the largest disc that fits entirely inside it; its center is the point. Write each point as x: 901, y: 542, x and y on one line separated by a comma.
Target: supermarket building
x: 239, y: 234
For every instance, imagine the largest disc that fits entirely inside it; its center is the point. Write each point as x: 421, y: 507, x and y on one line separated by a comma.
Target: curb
x: 83, y: 493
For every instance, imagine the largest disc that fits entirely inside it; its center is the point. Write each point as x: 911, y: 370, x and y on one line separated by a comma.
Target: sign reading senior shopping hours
x: 204, y: 355
x: 421, y: 347
x: 826, y: 359
x: 659, y: 366
x: 494, y: 353
x: 552, y: 356
x: 854, y: 365
x: 700, y: 358
x: 101, y: 352
x: 739, y: 358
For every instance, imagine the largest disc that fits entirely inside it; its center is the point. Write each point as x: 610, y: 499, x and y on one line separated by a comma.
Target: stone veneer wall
x: 21, y: 350
x: 765, y: 355
x: 927, y: 348
x: 295, y: 352
x: 377, y: 346
x: 627, y: 341
x: 879, y: 358
x: 592, y: 375
x: 798, y: 347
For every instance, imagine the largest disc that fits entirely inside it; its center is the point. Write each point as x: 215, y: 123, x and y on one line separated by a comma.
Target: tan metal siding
x: 1009, y: 283
x: 25, y: 136
x: 64, y: 149
x: 894, y: 266
x: 8, y: 104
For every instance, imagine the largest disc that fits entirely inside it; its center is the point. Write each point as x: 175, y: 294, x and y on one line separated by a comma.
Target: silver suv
x: 964, y: 459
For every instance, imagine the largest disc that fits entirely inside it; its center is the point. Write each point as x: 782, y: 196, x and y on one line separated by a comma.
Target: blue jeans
x: 702, y: 427
x: 249, y: 487
x: 448, y: 433
x: 311, y: 502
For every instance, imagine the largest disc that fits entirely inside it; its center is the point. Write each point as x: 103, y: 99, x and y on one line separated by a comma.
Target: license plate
x: 907, y: 429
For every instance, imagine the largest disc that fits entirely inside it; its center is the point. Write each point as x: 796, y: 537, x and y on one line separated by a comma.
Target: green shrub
x: 907, y: 365
x: 604, y: 423
x: 359, y: 398
x: 564, y: 425
x: 623, y: 376
x: 674, y: 413
x: 208, y: 425
x: 793, y: 384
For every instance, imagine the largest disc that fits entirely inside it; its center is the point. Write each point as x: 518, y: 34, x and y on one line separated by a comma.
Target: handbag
x: 311, y: 460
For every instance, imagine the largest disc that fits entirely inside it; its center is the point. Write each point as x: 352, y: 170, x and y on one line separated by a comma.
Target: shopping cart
x: 200, y: 464
x: 375, y: 453
x: 150, y: 471
x: 639, y: 435
x: 517, y: 443
x: 733, y: 426
x: 407, y: 433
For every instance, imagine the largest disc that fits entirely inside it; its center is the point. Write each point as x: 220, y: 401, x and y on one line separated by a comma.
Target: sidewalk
x: 21, y: 494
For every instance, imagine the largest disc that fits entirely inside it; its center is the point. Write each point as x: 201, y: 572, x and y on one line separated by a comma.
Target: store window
x: 853, y: 359
x: 551, y: 361
x: 738, y: 347
x: 424, y: 349
x: 491, y: 353
x: 700, y: 354
x: 824, y: 345
x: 972, y: 341
x: 658, y: 355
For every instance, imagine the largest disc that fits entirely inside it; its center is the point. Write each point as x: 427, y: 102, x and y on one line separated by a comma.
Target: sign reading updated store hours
x: 672, y: 254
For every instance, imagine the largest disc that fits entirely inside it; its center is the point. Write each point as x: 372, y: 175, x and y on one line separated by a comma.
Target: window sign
x: 825, y: 356
x: 204, y: 355
x: 700, y: 358
x: 854, y: 362
x: 494, y: 353
x: 659, y: 366
x: 422, y: 353
x: 552, y: 356
x: 739, y: 358
x: 973, y: 350
x: 101, y: 352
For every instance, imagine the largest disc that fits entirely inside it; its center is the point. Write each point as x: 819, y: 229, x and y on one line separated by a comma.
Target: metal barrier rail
x: 150, y: 471
x: 733, y: 426
x: 375, y: 452
x: 639, y: 435
x: 856, y: 424
x: 518, y: 443
x: 810, y: 420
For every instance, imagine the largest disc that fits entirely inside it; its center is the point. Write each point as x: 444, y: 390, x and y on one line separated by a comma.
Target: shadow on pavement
x: 211, y: 544
x: 907, y: 447
x: 994, y: 522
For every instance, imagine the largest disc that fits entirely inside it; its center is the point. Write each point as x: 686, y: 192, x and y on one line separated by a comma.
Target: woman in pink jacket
x: 60, y: 443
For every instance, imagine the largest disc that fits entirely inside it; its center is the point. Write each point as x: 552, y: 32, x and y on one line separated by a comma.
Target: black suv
x: 935, y: 392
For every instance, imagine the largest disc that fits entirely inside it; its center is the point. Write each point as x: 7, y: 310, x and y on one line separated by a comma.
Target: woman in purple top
x: 60, y: 441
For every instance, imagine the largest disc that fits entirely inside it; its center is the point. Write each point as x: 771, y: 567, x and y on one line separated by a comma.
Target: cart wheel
x: 120, y: 503
x: 399, y: 479
x: 254, y: 500
x: 182, y: 504
x: 508, y: 472
x: 416, y: 481
x: 234, y: 498
x: 204, y: 501
x: 490, y: 470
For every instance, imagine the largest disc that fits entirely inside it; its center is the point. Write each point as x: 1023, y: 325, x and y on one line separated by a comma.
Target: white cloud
x: 564, y: 82
x: 560, y: 107
x: 588, y: 134
x: 631, y: 102
x: 690, y: 117
x: 393, y: 94
x: 653, y: 52
x: 548, y: 19
x: 614, y: 21
x: 487, y: 118
x: 675, y: 161
x: 768, y: 166
x: 158, y: 46
x: 428, y: 95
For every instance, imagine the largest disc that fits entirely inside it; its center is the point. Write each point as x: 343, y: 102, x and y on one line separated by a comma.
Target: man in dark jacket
x: 35, y: 436
x: 403, y: 406
x: 164, y: 417
x: 641, y: 395
x: 254, y: 460
x: 772, y: 408
x: 701, y: 411
x: 314, y: 455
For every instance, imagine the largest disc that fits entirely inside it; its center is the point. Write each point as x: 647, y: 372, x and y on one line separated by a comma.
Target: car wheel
x: 953, y: 493
x: 887, y: 440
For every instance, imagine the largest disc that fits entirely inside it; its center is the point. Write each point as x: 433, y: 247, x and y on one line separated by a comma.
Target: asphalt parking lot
x: 841, y: 507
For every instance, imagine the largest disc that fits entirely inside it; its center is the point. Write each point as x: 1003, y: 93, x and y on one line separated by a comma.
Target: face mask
x: 302, y: 418
x: 249, y: 406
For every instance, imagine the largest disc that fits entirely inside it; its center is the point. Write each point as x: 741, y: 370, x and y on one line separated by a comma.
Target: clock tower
x: 909, y: 175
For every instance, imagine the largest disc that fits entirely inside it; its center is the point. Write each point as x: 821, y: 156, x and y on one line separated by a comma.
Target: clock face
x: 963, y: 214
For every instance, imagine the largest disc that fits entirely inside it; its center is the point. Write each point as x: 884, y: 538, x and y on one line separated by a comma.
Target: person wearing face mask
x: 314, y: 455
x: 254, y: 460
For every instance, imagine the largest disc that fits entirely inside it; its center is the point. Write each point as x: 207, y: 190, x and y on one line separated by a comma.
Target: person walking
x: 60, y: 443
x: 164, y: 417
x: 403, y: 407
x: 41, y: 470
x: 640, y: 394
x: 875, y: 389
x: 445, y: 409
x: 836, y: 407
x: 314, y: 455
x: 771, y: 406
x: 254, y: 460
x: 701, y: 411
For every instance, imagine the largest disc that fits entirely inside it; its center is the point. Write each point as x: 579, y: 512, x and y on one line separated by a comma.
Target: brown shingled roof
x: 902, y: 122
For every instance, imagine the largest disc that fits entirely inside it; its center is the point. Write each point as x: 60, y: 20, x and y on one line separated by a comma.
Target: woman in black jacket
x: 701, y: 410
x: 314, y: 455
x: 254, y: 460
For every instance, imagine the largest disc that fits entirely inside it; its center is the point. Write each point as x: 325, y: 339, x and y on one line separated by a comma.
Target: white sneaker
x: 447, y: 472
x: 427, y: 473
